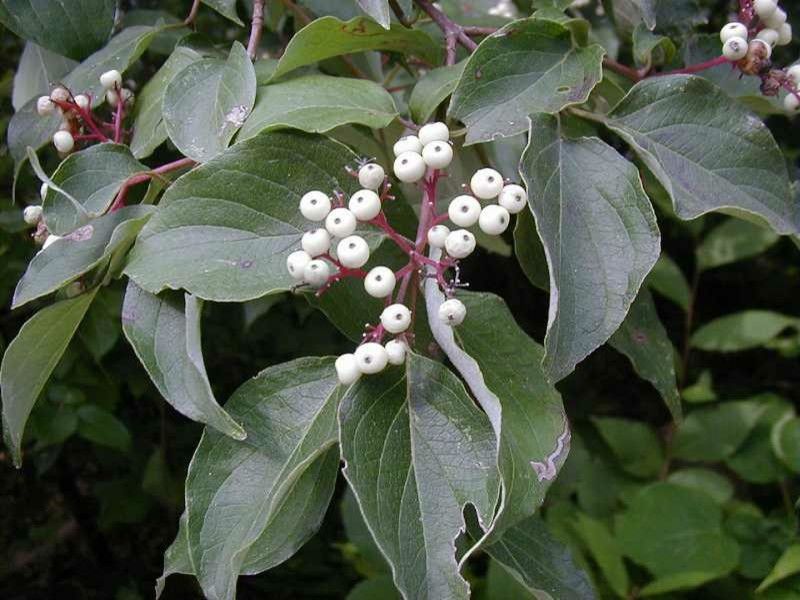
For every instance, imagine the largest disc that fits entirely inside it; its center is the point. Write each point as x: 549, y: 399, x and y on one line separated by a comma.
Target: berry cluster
x: 335, y: 251
x: 77, y: 121
x: 750, y: 41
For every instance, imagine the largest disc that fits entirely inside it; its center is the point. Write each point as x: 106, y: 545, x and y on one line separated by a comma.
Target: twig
x: 625, y: 71
x: 637, y: 75
x: 119, y: 201
x: 256, y: 29
x: 709, y: 64
x: 398, y: 12
x: 452, y: 30
x: 189, y: 20
x: 298, y: 12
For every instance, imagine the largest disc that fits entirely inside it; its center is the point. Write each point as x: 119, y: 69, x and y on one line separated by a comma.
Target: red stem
x: 453, y: 32
x: 119, y: 201
x: 709, y: 64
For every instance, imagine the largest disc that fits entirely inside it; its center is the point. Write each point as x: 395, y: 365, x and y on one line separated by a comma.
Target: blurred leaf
x: 700, y: 391
x: 432, y: 89
x: 732, y: 241
x: 30, y: 359
x: 371, y: 561
x: 635, y: 445
x: 530, y: 252
x: 101, y: 427
x: 785, y: 439
x: 501, y: 584
x: 38, y: 70
x: 667, y: 279
x: 100, y: 329
x: 227, y: 8
x: 378, y: 10
x: 754, y: 460
x: 741, y: 331
x: 650, y: 49
x: 606, y: 552
x: 714, y: 433
x: 378, y: 588
x: 714, y: 484
x: 788, y: 564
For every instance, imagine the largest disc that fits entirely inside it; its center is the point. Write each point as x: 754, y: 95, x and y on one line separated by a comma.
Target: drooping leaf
x: 667, y: 279
x: 635, y: 445
x: 29, y: 361
x: 541, y: 563
x: 76, y: 254
x: 149, y: 130
x: 741, y: 331
x: 251, y: 504
x: 501, y: 366
x: 224, y: 230
x: 73, y: 28
x: 165, y: 334
x: 319, y: 103
x: 28, y: 129
x: 732, y: 241
x: 605, y: 550
x: 208, y: 101
x: 38, y: 70
x: 676, y: 533
x: 529, y: 66
x: 708, y: 151
x: 417, y: 451
x: 432, y: 89
x: 328, y: 37
x: 590, y: 210
x: 643, y: 339
x: 227, y: 8
x: 92, y: 177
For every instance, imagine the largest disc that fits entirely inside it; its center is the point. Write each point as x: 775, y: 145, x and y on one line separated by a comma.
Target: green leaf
x: 377, y: 588
x: 29, y: 361
x: 714, y: 433
x: 701, y: 390
x: 377, y: 9
x: 754, y: 460
x: 223, y: 231
x: 165, y: 334
x: 328, y: 37
x: 643, y: 339
x: 28, y: 129
x: 541, y: 563
x: 319, y: 103
x: 667, y: 279
x: 149, y: 130
x: 502, y: 584
x: 490, y: 352
x: 227, y: 8
x: 529, y: 66
x: 208, y: 101
x: 788, y: 564
x: 675, y: 531
x: 370, y: 561
x: 37, y: 71
x: 741, y: 331
x: 590, y: 210
x: 176, y: 558
x: 732, y: 241
x: 785, y: 439
x: 92, y: 177
x: 78, y: 253
x: 530, y: 252
x: 714, y: 484
x: 417, y: 450
x: 707, y: 150
x: 251, y: 504
x: 635, y: 445
x: 606, y: 552
x: 432, y: 89
x: 101, y: 427
x: 74, y: 28
x: 100, y: 329
x: 650, y: 49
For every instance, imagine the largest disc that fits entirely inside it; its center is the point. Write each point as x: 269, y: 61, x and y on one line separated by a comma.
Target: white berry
x: 51, y: 239
x: 353, y: 252
x: 433, y: 132
x: 340, y: 222
x: 409, y: 143
x: 437, y: 236
x: 396, y: 351
x: 785, y: 35
x: 371, y: 176
x: 315, y: 205
x: 44, y: 106
x: 409, y: 167
x: 43, y: 191
x: 452, y: 312
x: 486, y: 184
x: 732, y: 30
x: 736, y: 48
x: 776, y: 19
x: 63, y: 141
x: 770, y: 36
x: 494, y: 219
x: 460, y: 243
x: 791, y: 102
x: 464, y: 211
x: 371, y: 358
x: 765, y: 8
x: 759, y: 48
x: 112, y: 97
x: 111, y: 79
x: 316, y: 242
x: 380, y: 282
x: 513, y: 198
x: 32, y: 214
x: 347, y: 369
x: 82, y: 100
x: 793, y: 73
x: 438, y: 155
x: 365, y: 204
x: 316, y: 273
x: 59, y: 94
x: 396, y: 318
x: 296, y: 264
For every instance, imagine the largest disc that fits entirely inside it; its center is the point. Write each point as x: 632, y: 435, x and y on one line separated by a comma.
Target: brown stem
x: 449, y: 27
x: 119, y: 201
x: 189, y: 20
x: 256, y: 29
x: 298, y: 12
x: 625, y: 71
x: 471, y: 30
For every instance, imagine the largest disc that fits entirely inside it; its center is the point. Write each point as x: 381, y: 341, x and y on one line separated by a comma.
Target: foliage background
x: 98, y: 500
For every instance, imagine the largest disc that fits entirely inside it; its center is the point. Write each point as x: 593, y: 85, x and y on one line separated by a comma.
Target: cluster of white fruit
x: 64, y: 139
x: 32, y: 215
